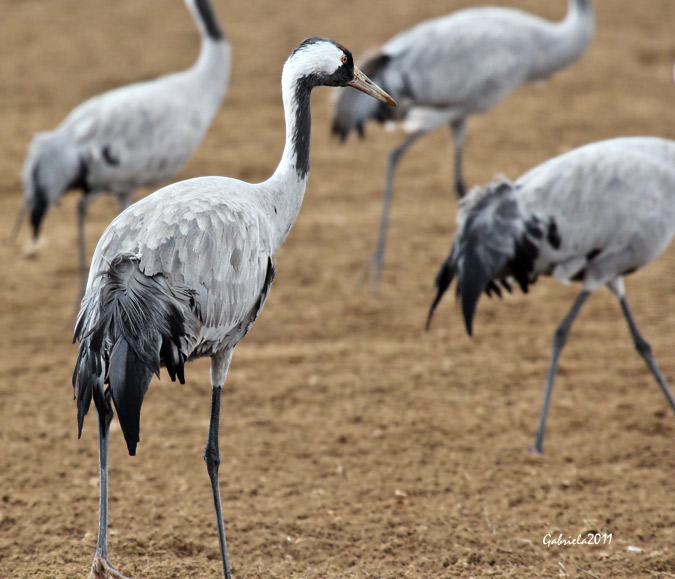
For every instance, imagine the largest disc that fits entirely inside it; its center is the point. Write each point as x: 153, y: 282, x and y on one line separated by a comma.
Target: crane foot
x: 102, y: 569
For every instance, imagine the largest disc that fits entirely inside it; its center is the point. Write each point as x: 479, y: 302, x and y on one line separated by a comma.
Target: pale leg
x: 101, y: 567
x: 220, y: 364
x: 374, y: 263
x: 559, y: 340
x: 645, y: 350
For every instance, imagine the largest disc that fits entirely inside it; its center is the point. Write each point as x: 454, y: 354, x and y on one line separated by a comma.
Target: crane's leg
x: 645, y: 350
x: 220, y: 364
x: 101, y: 567
x: 458, y: 128
x: 559, y: 340
x: 18, y: 222
x: 374, y: 263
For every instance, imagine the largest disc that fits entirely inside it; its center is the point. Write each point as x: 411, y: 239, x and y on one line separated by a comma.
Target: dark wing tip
x: 129, y: 377
x: 473, y: 281
x: 444, y: 278
x: 468, y: 311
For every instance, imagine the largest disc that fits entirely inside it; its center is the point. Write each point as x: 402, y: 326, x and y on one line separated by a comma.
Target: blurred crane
x: 134, y: 136
x: 446, y: 69
x: 592, y: 215
x: 184, y: 273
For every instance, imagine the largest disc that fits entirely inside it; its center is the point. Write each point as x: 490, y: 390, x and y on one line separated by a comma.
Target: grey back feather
x: 220, y: 248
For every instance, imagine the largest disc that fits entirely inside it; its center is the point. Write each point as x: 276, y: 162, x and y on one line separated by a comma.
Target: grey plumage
x: 592, y: 215
x: 134, y: 136
x: 183, y: 274
x: 136, y: 324
x: 443, y: 70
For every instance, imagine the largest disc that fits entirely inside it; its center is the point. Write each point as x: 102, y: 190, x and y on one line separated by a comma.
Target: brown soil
x: 355, y: 445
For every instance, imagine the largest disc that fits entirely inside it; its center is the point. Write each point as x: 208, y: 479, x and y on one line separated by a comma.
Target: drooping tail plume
x: 496, y: 240
x: 128, y: 326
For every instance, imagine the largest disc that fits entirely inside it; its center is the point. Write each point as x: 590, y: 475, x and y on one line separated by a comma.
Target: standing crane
x: 592, y: 215
x: 183, y: 274
x: 134, y: 136
x: 443, y: 70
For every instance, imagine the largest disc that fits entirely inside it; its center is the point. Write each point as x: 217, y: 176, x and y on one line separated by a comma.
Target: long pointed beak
x: 364, y: 84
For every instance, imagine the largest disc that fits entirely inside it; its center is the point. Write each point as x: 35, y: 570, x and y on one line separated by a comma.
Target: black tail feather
x: 473, y: 280
x: 129, y: 377
x: 444, y: 278
x: 496, y: 240
x: 128, y: 327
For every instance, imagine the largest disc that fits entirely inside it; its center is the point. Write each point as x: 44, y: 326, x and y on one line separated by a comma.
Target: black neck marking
x: 303, y: 123
x: 209, y: 19
x: 584, y: 5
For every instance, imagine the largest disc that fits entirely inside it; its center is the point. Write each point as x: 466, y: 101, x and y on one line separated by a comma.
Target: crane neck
x: 206, y: 20
x: 565, y: 40
x: 578, y: 25
x: 286, y: 187
x: 212, y: 67
x: 296, y: 93
x: 579, y: 6
x: 214, y: 59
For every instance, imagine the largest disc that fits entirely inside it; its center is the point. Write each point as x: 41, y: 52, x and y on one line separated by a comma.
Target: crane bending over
x: 446, y: 69
x: 134, y: 136
x: 592, y: 215
x: 183, y: 274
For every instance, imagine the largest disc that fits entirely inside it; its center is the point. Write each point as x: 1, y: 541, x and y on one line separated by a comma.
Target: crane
x: 444, y: 70
x: 592, y: 215
x: 133, y: 136
x: 183, y: 274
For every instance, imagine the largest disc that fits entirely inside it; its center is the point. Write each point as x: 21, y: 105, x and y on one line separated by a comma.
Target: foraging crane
x: 134, y: 136
x: 446, y: 69
x: 592, y: 215
x: 184, y: 273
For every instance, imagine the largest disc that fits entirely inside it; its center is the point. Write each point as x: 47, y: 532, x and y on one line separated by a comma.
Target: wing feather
x: 220, y: 248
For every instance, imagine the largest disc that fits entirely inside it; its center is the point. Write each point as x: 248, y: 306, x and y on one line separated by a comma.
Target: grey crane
x: 441, y: 71
x: 592, y: 215
x: 130, y: 137
x: 184, y: 273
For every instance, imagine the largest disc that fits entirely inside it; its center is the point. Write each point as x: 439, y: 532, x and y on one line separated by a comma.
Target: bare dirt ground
x: 355, y: 445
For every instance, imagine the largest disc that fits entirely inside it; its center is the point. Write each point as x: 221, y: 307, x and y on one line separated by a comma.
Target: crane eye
x: 344, y: 59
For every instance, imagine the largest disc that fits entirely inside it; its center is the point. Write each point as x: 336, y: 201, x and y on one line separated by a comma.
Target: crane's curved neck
x: 206, y: 20
x: 286, y: 187
x: 579, y: 6
x: 212, y: 67
x: 296, y: 93
x: 566, y: 40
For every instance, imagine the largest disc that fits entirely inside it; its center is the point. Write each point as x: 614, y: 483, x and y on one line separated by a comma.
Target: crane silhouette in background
x: 134, y: 136
x: 444, y: 70
x: 593, y: 215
